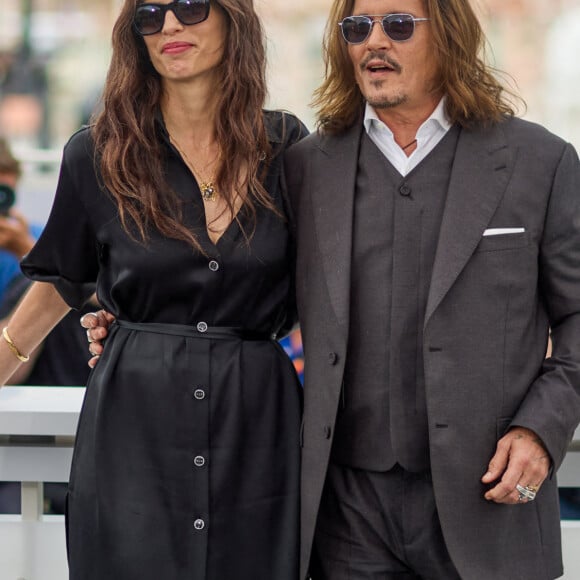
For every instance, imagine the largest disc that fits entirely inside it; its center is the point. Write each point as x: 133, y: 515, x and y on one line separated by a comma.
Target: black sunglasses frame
x: 161, y: 11
x: 386, y: 20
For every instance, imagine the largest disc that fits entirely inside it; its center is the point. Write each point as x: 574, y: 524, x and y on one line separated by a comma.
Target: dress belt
x: 202, y: 330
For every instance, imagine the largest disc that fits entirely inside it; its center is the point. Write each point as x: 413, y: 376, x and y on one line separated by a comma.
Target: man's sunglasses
x: 150, y: 18
x: 398, y: 27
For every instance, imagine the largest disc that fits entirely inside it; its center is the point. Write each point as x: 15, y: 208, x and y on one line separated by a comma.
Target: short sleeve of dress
x: 66, y: 253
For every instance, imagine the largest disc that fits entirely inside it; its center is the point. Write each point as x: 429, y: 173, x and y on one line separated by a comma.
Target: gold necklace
x: 206, y: 186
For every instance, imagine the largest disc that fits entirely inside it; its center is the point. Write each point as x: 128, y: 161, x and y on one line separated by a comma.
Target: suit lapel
x: 480, y: 174
x: 333, y: 202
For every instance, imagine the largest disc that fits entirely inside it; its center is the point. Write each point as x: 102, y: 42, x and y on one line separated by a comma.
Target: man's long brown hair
x: 127, y: 143
x: 474, y: 93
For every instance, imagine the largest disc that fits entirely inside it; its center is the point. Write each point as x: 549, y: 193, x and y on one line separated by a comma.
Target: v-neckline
x: 199, y: 199
x: 229, y: 228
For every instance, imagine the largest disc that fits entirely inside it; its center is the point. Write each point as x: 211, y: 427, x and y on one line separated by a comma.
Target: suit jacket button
x: 332, y: 358
x: 327, y: 431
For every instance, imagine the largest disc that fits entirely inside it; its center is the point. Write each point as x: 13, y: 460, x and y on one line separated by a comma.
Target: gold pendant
x: 208, y: 191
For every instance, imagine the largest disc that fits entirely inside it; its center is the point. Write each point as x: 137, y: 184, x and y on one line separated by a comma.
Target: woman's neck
x: 189, y: 115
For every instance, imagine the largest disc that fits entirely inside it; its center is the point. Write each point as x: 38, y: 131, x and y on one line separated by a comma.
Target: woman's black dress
x: 186, y: 464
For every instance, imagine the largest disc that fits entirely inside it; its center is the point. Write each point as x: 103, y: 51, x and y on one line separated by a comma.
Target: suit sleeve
x: 552, y: 407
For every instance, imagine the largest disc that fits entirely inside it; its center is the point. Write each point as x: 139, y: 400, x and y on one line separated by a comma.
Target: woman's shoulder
x: 79, y: 165
x: 80, y: 146
x: 284, y: 127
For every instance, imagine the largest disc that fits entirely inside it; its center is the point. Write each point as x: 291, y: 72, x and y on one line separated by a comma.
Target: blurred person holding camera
x: 17, y: 236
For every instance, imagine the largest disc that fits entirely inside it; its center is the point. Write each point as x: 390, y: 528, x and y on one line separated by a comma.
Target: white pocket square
x: 503, y: 231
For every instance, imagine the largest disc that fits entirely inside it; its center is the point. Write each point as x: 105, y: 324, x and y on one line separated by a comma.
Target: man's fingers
x: 504, y: 490
x: 522, y: 492
x: 109, y: 318
x: 506, y: 468
x: 498, y: 463
x: 93, y: 361
x: 96, y: 334
x: 97, y: 324
x: 527, y: 464
x: 96, y: 348
x: 89, y: 320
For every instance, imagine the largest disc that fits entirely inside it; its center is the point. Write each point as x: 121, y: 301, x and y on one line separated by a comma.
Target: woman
x: 186, y: 461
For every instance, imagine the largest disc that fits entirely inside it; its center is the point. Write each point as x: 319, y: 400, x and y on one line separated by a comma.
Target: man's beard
x: 385, y: 102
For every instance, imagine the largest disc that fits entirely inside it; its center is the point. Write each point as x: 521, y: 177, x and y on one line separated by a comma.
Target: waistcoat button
x: 405, y: 190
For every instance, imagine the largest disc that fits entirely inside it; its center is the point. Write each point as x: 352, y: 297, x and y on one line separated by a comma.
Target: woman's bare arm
x: 39, y: 311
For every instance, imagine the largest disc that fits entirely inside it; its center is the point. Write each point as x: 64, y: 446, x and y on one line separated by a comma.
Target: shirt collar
x: 437, y: 117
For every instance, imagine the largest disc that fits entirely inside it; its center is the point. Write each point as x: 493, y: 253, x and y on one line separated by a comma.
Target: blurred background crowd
x: 54, y: 56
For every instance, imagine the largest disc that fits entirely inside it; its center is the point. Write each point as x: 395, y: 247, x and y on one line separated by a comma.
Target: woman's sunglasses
x: 398, y: 27
x: 149, y: 18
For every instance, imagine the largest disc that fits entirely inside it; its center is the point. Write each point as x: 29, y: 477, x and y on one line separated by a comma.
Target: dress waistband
x: 201, y: 330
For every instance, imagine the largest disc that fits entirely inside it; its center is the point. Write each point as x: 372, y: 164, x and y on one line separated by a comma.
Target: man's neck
x: 404, y: 122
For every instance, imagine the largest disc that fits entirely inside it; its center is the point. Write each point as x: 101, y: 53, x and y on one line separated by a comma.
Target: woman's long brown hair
x: 129, y: 151
x: 474, y: 93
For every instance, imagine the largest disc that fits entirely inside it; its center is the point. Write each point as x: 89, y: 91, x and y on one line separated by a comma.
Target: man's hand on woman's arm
x: 97, y: 325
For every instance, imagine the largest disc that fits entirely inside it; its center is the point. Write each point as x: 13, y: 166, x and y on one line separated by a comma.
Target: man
x: 438, y: 241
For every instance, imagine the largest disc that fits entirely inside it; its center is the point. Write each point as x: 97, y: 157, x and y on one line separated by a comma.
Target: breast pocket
x: 503, y: 242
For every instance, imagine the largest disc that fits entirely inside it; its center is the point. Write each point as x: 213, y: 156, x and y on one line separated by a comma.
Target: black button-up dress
x: 186, y: 464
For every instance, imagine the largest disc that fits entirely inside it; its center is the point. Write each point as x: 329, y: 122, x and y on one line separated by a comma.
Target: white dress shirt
x: 428, y: 135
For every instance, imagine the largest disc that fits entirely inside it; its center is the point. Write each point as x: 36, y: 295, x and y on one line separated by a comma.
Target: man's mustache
x: 382, y: 56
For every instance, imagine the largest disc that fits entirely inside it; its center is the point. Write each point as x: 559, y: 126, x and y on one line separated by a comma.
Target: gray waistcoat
x: 382, y: 418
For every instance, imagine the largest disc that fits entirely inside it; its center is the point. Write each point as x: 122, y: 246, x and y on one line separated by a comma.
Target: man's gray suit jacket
x: 491, y: 303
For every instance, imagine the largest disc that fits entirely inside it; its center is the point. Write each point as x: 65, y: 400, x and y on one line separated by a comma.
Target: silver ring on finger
x: 82, y: 320
x: 525, y: 492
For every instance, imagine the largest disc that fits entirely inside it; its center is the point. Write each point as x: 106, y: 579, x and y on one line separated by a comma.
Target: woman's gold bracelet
x: 21, y: 357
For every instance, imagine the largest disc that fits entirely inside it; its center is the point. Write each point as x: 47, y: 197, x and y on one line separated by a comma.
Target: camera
x: 7, y: 198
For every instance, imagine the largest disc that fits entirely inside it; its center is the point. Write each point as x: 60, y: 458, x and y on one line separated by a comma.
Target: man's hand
x: 15, y: 234
x: 521, y: 459
x: 97, y: 325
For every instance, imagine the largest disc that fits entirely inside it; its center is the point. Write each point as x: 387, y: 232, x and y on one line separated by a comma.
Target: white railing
x: 37, y: 427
